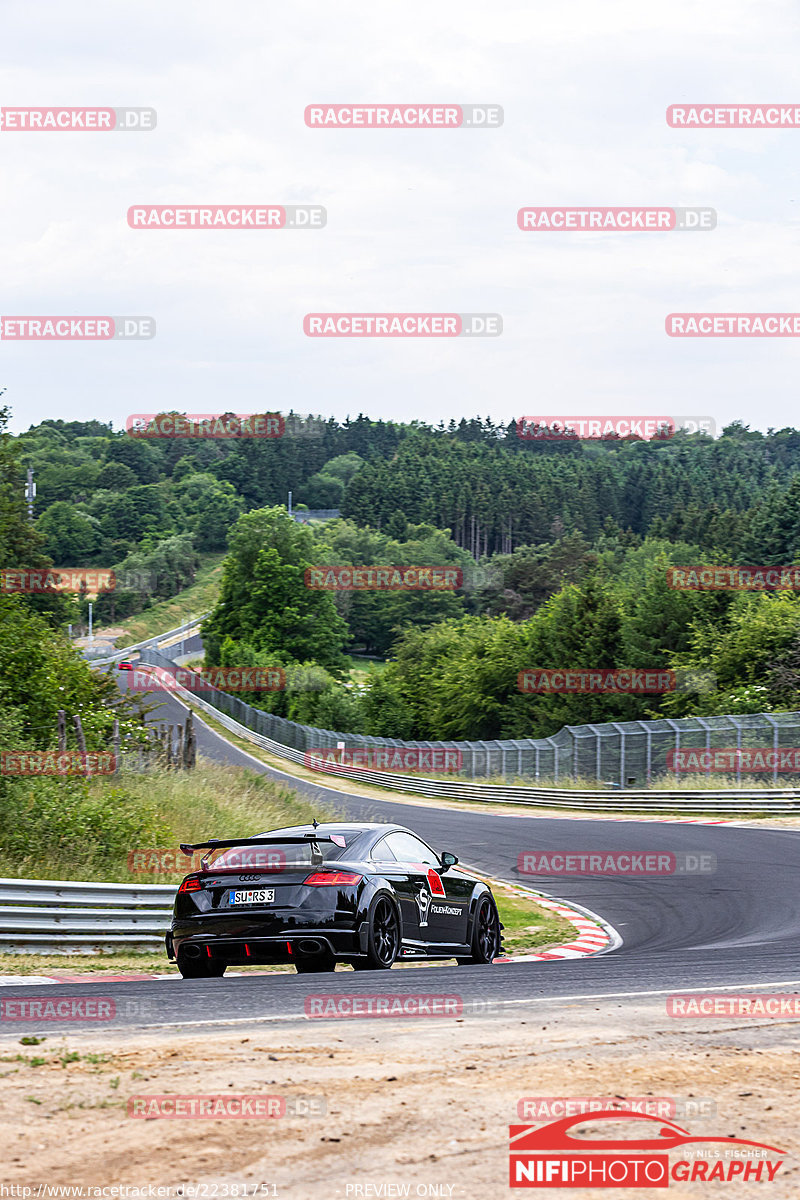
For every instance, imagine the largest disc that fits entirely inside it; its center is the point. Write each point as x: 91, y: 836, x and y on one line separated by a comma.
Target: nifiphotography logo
x: 552, y: 1156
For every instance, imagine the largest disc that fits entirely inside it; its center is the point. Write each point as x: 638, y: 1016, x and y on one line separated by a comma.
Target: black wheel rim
x: 385, y: 933
x: 487, y: 933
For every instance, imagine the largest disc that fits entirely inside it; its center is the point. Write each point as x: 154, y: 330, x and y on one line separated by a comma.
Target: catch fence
x: 616, y: 754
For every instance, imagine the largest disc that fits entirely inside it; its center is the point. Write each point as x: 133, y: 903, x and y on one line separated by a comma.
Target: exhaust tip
x: 309, y: 946
x: 191, y: 951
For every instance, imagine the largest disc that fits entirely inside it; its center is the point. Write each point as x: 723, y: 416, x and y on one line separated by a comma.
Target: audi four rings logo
x: 249, y: 878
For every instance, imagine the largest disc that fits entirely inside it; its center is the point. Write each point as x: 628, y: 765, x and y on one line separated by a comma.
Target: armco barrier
x: 773, y: 800
x: 45, y: 916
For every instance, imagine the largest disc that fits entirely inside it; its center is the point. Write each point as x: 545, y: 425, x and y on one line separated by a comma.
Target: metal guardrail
x: 153, y: 642
x: 43, y: 916
x: 773, y: 800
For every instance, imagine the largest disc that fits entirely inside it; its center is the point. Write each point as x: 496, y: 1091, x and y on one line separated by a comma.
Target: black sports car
x: 313, y: 895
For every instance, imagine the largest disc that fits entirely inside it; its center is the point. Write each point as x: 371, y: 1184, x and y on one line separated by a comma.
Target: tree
x: 376, y: 618
x: 142, y: 457
x: 323, y: 491
x: 264, y: 602
x: 116, y: 477
x: 41, y: 673
x: 20, y: 543
x: 210, y: 507
x: 71, y: 536
x: 743, y: 649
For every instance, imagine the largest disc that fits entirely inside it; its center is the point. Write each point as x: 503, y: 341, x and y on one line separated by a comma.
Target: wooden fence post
x: 189, y: 744
x: 81, y: 742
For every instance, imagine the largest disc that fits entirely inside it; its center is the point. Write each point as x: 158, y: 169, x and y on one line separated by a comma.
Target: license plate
x: 261, y: 896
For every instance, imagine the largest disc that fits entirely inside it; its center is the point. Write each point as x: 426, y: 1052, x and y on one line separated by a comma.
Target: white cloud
x: 417, y: 220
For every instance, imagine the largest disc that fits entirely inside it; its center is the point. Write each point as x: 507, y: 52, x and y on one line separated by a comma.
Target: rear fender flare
x: 480, y: 890
x: 374, y: 888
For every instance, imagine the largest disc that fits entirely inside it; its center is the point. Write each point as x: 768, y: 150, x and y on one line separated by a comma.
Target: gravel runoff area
x: 382, y: 1107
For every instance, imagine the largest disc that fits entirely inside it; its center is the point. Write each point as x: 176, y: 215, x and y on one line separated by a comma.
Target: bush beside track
x: 86, y: 828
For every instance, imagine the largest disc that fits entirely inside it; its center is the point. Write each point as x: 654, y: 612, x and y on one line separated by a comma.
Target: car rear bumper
x: 231, y: 940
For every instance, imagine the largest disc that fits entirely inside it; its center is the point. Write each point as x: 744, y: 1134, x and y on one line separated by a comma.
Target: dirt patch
x: 423, y: 1104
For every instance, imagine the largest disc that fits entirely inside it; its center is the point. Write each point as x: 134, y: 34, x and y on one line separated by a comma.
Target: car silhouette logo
x: 550, y: 1155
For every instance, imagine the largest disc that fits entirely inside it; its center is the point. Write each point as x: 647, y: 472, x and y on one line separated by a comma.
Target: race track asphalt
x: 734, y: 928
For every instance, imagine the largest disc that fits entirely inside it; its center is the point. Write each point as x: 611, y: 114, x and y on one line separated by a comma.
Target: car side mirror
x: 448, y: 860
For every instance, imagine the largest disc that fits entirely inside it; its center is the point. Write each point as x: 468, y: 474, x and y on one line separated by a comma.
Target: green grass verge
x: 86, y: 829
x: 527, y: 926
x: 168, y: 614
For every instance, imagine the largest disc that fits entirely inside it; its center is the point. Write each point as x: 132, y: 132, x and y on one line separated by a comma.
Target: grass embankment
x: 168, y: 614
x: 87, y: 829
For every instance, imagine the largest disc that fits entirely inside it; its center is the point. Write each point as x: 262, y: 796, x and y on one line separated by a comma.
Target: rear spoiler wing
x: 292, y: 840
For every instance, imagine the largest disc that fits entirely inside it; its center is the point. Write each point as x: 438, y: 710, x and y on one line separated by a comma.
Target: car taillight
x: 190, y: 884
x: 333, y: 878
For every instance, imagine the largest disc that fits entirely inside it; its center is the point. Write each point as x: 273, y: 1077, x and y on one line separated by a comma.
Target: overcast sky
x: 418, y: 220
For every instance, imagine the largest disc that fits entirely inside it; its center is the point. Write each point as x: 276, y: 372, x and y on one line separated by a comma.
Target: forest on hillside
x: 563, y: 549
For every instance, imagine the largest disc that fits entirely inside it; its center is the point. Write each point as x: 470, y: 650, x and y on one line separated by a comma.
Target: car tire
x: 383, y: 936
x: 200, y: 968
x: 314, y: 963
x: 486, y: 941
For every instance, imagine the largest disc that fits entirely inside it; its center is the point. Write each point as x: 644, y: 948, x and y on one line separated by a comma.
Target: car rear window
x: 277, y: 856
